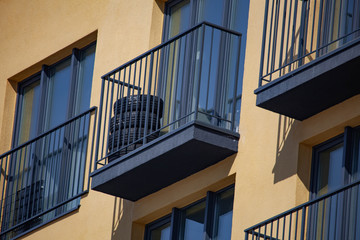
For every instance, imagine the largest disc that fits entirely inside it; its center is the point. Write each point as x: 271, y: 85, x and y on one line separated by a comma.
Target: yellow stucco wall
x: 271, y: 169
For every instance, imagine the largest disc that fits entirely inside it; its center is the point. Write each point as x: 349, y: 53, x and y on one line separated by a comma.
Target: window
x: 218, y: 66
x: 210, y: 217
x: 335, y: 165
x: 46, y: 173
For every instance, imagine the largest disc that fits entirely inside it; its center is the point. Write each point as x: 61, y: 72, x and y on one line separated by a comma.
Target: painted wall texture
x: 271, y: 170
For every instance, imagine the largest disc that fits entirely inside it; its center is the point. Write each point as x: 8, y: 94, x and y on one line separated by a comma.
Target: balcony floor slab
x: 315, y: 86
x: 164, y: 161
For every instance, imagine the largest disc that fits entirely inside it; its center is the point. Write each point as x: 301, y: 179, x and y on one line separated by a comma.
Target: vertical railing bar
x: 148, y: 97
x: 282, y: 35
x: 288, y: 35
x: 303, y: 223
x: 277, y: 228
x: 289, y: 225
x: 296, y: 224
x: 306, y: 27
x: 200, y: 68
x: 265, y: 231
x: 123, y: 111
x: 339, y: 22
x: 171, y: 81
x: 336, y: 212
x: 99, y: 127
x: 276, y: 25
x: 50, y: 167
x: 142, y: 99
x: 313, y: 28
x: 83, y: 156
x: 136, y: 108
x: 210, y: 62
x: 130, y: 107
x: 78, y: 160
x: 23, y: 180
x: 293, y: 34
x: 322, y: 219
x: 302, y: 33
x: 261, y: 73
x: 156, y: 103
x: 236, y: 86
x: 270, y: 37
x: 271, y: 228
x: 2, y: 207
x: 42, y: 170
x: 105, y: 113
x: 356, y: 209
x: 177, y: 80
x: 112, y: 103
x: 54, y: 163
x: 319, y: 29
x: 284, y: 223
x: 92, y: 145
x: 17, y: 168
x: 315, y: 216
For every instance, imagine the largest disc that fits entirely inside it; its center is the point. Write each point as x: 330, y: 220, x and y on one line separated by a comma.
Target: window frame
x: 44, y: 77
x: 177, y: 214
x: 347, y: 157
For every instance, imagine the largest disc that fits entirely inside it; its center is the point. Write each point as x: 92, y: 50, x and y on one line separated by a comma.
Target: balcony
x: 310, y: 56
x: 168, y: 113
x: 332, y: 216
x: 44, y: 178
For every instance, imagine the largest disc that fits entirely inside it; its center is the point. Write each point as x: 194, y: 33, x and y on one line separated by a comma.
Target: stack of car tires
x: 127, y: 127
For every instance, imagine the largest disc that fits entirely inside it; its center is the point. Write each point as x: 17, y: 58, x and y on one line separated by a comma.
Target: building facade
x: 179, y: 119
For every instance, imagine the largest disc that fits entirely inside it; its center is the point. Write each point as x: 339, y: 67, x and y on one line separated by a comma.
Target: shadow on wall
x: 122, y: 219
x: 291, y: 156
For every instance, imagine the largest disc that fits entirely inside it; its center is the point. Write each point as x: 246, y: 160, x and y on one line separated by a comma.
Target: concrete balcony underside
x: 164, y: 161
x: 316, y: 86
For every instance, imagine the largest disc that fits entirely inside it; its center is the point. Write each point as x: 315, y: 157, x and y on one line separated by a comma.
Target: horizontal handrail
x: 295, y: 33
x: 42, y: 177
x: 192, y: 76
x: 47, y: 132
x: 171, y: 40
x: 300, y: 208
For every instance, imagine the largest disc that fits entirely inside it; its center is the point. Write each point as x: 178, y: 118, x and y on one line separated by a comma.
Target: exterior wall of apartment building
x: 270, y: 171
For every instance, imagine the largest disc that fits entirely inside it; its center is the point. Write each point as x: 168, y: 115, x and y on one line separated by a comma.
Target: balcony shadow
x: 122, y: 219
x: 292, y: 157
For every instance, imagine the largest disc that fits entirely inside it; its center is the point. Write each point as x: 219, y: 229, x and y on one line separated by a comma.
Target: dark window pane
x: 223, y: 215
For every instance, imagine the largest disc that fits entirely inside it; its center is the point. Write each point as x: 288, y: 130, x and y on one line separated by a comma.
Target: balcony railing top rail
x: 42, y: 178
x: 191, y: 77
x: 334, y: 215
x: 297, y: 32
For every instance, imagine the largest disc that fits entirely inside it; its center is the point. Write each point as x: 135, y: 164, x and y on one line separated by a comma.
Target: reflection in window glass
x: 85, y: 80
x: 161, y: 233
x: 179, y: 18
x: 330, y: 175
x: 30, y: 103
x: 223, y: 215
x: 58, y: 94
x: 193, y: 222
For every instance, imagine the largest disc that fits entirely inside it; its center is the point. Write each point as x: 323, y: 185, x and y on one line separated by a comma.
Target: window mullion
x: 44, y: 80
x: 74, y: 73
x: 209, y: 215
x: 347, y: 154
x: 175, y: 224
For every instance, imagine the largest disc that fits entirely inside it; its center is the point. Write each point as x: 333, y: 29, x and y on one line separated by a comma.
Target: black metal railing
x: 332, y: 216
x: 297, y: 32
x: 43, y: 178
x: 191, y: 77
